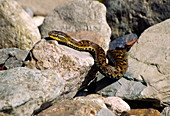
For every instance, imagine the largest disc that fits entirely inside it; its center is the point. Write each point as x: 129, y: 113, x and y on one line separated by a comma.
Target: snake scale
x: 119, y: 56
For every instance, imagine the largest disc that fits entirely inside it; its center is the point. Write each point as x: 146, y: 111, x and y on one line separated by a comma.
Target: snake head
x: 59, y: 36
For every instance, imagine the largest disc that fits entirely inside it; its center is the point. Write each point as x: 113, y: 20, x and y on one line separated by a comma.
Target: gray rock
x: 122, y: 88
x: 17, y: 28
x: 125, y: 16
x: 12, y: 57
x: 105, y: 112
x: 149, y: 61
x: 165, y: 112
x: 24, y: 90
x: 29, y: 11
x: 79, y: 15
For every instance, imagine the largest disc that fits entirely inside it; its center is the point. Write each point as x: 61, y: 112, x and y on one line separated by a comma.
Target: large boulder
x: 24, y: 90
x: 71, y: 65
x: 149, y: 66
x: 79, y: 15
x: 150, y: 61
x: 17, y: 28
x: 124, y: 16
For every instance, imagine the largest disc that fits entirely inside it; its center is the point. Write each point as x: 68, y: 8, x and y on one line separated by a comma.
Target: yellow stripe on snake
x: 119, y: 56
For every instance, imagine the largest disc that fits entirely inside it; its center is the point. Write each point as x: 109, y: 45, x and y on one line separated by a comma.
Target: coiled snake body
x: 119, y: 55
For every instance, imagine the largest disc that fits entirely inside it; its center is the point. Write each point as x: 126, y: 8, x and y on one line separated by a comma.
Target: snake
x: 118, y: 55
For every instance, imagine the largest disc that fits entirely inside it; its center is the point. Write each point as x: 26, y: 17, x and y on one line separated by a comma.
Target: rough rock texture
x: 17, y: 29
x: 142, y: 112
x: 150, y: 61
x: 11, y: 58
x: 72, y: 65
x: 23, y: 90
x: 91, y: 105
x: 135, y: 16
x: 79, y: 15
x: 43, y: 7
x: 165, y: 112
x: 115, y: 104
x: 92, y: 98
x: 72, y: 108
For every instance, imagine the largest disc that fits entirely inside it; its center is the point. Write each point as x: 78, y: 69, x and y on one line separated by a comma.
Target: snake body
x: 119, y: 56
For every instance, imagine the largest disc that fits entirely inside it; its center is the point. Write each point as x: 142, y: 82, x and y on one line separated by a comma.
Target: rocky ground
x: 43, y: 78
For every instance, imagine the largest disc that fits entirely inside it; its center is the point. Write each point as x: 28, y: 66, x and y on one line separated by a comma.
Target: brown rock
x: 142, y: 112
x: 71, y: 65
x: 115, y: 104
x: 71, y: 108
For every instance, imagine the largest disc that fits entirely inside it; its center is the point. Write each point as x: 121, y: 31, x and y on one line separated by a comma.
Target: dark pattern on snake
x: 119, y: 55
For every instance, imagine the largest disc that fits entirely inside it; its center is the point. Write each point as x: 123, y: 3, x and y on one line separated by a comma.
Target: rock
x: 117, y: 105
x: 38, y: 20
x: 41, y: 8
x: 149, y: 66
x: 25, y: 90
x: 126, y: 16
x: 142, y: 112
x: 79, y: 15
x: 122, y: 88
x: 12, y: 57
x: 165, y: 112
x: 91, y: 105
x: 87, y: 35
x: 149, y: 61
x: 17, y: 28
x: 105, y: 112
x: 92, y: 98
x: 29, y: 11
x: 72, y: 65
x: 72, y: 108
